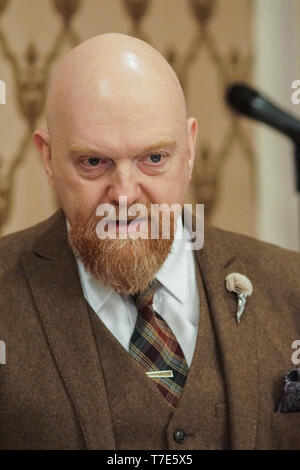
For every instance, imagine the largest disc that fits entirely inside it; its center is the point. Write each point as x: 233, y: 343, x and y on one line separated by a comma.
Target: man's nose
x: 124, y: 182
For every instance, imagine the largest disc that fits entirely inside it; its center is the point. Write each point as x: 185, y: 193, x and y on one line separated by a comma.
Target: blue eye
x: 155, y: 157
x: 94, y: 161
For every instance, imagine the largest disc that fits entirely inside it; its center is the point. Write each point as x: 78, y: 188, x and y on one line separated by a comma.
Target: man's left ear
x: 192, y: 130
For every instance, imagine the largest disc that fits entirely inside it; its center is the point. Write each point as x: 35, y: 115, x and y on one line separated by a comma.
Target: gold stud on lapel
x: 242, y: 286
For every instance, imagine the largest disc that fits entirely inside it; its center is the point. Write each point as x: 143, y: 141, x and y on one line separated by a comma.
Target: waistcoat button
x: 179, y: 436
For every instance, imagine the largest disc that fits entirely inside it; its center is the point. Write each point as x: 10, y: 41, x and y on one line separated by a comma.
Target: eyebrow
x: 76, y: 148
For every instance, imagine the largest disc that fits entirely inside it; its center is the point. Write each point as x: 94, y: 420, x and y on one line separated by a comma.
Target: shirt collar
x: 96, y: 292
x: 174, y: 269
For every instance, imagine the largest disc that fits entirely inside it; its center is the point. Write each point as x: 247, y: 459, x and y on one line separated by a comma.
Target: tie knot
x: 145, y: 297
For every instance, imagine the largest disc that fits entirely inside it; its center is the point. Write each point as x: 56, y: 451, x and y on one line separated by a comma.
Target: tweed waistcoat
x: 141, y: 418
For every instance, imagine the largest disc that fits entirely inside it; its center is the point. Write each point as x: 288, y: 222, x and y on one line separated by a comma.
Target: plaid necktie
x: 155, y: 347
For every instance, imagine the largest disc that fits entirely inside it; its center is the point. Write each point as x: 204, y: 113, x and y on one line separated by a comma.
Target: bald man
x: 115, y: 339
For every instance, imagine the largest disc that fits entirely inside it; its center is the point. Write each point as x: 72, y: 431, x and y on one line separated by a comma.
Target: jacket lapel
x: 236, y: 342
x: 51, y: 270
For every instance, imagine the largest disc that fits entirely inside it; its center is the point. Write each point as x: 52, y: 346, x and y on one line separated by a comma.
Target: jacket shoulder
x: 12, y: 246
x: 258, y: 254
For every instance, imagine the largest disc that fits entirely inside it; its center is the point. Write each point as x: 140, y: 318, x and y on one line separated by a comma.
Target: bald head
x: 117, y: 126
x: 117, y: 73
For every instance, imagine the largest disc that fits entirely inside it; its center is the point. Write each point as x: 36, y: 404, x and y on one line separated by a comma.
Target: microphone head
x: 254, y: 105
x: 240, y: 97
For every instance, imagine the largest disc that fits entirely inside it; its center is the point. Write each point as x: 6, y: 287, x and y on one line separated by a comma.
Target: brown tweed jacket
x: 52, y: 393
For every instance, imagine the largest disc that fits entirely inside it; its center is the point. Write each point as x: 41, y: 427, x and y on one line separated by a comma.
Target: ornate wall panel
x: 208, y: 42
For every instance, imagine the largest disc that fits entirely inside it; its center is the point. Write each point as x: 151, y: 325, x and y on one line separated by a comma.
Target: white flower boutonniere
x: 242, y: 286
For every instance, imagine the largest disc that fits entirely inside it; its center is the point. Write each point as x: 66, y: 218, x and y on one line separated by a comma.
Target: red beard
x: 127, y: 265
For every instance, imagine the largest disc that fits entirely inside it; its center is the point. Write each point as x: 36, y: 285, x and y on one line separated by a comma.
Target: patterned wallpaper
x: 209, y: 44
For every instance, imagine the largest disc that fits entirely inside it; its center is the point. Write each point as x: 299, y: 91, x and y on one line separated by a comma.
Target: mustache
x: 127, y: 219
x: 139, y: 210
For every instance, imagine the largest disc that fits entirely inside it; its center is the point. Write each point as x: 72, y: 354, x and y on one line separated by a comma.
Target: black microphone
x: 249, y: 102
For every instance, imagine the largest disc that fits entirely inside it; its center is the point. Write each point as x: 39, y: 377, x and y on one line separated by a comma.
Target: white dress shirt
x: 176, y: 300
